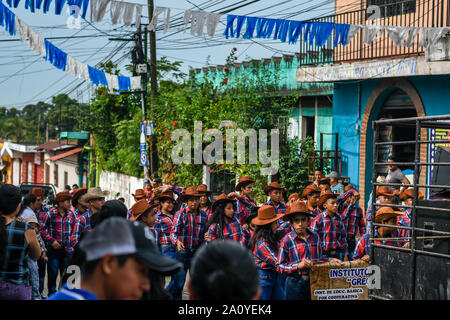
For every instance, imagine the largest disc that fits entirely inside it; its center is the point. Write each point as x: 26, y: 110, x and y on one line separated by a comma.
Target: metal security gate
x: 421, y: 271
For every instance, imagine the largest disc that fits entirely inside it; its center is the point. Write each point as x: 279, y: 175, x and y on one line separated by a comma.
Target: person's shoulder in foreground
x: 72, y: 294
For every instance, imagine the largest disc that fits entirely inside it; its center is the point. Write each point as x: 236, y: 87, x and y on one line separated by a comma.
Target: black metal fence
x: 429, y: 241
x: 408, y: 13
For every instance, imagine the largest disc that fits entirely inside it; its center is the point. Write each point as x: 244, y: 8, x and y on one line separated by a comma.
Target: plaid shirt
x: 178, y: 191
x: 293, y: 250
x: 248, y: 235
x: 129, y: 214
x: 52, y: 227
x: 403, y: 221
x: 331, y: 230
x: 284, y: 227
x: 315, y: 211
x: 69, y: 226
x: 231, y: 231
x: 208, y: 212
x: 342, y: 205
x: 265, y: 257
x: 189, y: 228
x: 41, y: 215
x: 163, y: 226
x: 363, y: 246
x: 81, y: 224
x: 353, y: 220
x: 243, y: 207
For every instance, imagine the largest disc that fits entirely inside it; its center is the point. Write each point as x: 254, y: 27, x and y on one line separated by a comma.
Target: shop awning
x: 66, y: 154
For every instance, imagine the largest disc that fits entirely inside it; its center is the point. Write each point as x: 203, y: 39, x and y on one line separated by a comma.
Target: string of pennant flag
x: 311, y: 32
x: 60, y: 59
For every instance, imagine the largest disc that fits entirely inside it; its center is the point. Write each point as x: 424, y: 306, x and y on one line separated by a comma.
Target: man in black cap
x: 119, y: 256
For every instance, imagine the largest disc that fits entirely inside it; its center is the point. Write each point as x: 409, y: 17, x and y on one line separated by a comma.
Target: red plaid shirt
x: 208, y: 212
x: 293, y: 250
x: 265, y: 257
x: 243, y: 207
x: 52, y: 227
x: 41, y: 215
x: 331, y: 231
x: 231, y: 231
x: 363, y: 246
x: 353, y: 220
x: 189, y: 228
x: 248, y: 235
x: 81, y: 224
x: 163, y: 226
x: 69, y: 225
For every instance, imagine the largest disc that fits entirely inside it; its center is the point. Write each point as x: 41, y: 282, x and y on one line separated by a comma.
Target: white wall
x: 69, y: 165
x: 120, y: 183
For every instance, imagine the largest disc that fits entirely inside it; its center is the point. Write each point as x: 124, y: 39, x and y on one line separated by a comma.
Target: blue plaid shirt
x: 189, y: 228
x: 68, y: 228
x: 81, y: 224
x: 331, y: 231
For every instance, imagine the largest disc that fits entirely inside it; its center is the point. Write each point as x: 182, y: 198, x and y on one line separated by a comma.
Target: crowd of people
x: 171, y: 230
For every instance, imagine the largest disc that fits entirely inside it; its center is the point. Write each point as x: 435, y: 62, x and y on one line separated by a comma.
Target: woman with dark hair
x: 15, y: 238
x: 265, y: 244
x: 223, y: 223
x: 223, y: 270
x: 28, y: 206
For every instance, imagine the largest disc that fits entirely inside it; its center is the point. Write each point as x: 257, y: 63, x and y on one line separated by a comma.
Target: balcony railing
x: 407, y: 13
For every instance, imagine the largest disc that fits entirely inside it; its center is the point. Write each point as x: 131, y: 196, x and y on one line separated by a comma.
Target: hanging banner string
x: 59, y: 59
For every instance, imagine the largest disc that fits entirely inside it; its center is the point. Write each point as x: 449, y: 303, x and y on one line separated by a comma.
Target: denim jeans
x: 297, y: 289
x: 179, y: 279
x: 34, y: 278
x: 170, y: 252
x: 57, y: 260
x: 271, y: 285
x: 42, y: 266
x: 339, y: 255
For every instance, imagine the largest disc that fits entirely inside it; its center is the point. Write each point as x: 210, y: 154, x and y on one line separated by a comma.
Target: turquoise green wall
x: 324, y: 124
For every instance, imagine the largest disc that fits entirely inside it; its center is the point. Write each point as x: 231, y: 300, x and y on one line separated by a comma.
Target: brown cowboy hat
x: 140, y: 207
x: 77, y: 195
x: 165, y: 195
x: 273, y: 186
x: 242, y: 182
x: 266, y: 215
x: 409, y: 193
x: 62, y: 196
x: 139, y: 193
x: 390, y: 202
x: 384, y: 190
x: 325, y: 196
x: 190, y: 192
x: 220, y: 199
x: 386, y: 213
x: 349, y: 187
x: 294, y: 196
x: 38, y: 192
x: 310, y: 189
x: 298, y: 207
x: 203, y: 188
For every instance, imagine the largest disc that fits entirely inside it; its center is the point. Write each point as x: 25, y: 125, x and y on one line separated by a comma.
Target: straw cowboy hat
x: 384, y: 191
x: 139, y: 208
x: 165, y: 195
x: 325, y: 196
x: 203, y: 188
x: 139, y: 193
x: 266, y: 215
x: 409, y: 193
x: 243, y: 181
x: 310, y: 189
x: 77, y: 195
x: 273, y: 186
x: 62, y: 196
x: 190, y: 192
x: 221, y: 199
x: 386, y: 213
x: 298, y: 207
x: 93, y: 193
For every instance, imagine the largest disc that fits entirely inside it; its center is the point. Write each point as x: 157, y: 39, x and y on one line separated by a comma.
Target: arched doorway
x: 389, y: 97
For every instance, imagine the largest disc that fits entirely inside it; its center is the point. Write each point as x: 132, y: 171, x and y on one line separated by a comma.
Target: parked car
x: 49, y: 191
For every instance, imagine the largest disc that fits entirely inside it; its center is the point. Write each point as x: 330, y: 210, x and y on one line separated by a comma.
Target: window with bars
x: 390, y: 8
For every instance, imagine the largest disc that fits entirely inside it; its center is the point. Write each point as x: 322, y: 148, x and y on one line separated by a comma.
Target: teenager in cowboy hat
x: 312, y: 194
x: 223, y: 223
x: 244, y: 204
x: 383, y: 193
x: 139, y: 194
x: 52, y: 230
x: 72, y: 217
x: 146, y: 213
x: 299, y: 250
x: 292, y: 198
x: 274, y: 191
x: 352, y: 216
x: 265, y: 244
x: 95, y: 198
x: 188, y: 232
x: 384, y: 215
x: 330, y: 228
x: 407, y: 197
x: 204, y: 203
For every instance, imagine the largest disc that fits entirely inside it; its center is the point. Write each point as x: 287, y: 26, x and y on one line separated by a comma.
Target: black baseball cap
x: 119, y: 236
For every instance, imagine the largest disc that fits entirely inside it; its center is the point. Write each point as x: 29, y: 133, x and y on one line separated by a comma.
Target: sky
x: 26, y: 78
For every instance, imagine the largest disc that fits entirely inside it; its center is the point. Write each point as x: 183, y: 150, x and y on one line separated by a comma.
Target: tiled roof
x: 54, y: 145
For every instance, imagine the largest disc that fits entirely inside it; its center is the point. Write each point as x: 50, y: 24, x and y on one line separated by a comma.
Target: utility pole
x: 153, y: 89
